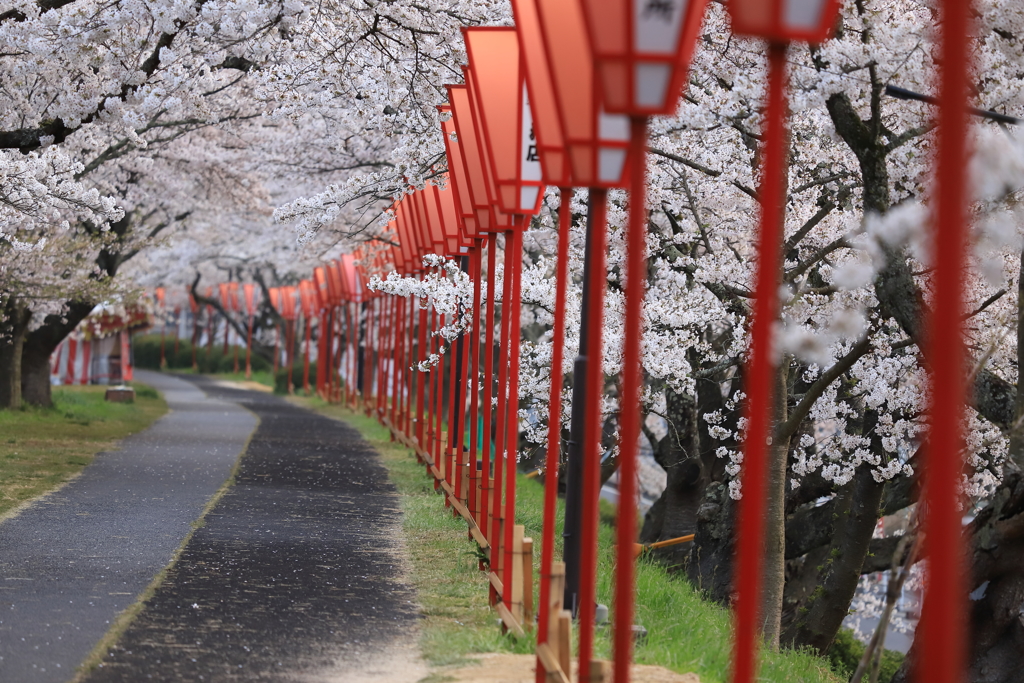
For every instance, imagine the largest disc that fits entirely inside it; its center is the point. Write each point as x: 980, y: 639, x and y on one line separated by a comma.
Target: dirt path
x: 297, y: 574
x: 70, y: 562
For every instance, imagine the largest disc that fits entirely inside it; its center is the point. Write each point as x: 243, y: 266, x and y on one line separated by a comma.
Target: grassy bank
x: 685, y: 632
x: 41, y: 448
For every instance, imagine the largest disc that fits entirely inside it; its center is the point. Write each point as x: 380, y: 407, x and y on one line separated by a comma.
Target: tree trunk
x: 996, y: 555
x: 12, y: 339
x: 675, y: 512
x: 687, y: 454
x: 40, y: 345
x: 774, y: 578
x: 710, y: 563
x: 856, y: 514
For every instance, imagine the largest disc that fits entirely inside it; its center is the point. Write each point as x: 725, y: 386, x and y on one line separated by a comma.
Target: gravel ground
x: 77, y: 557
x: 297, y: 574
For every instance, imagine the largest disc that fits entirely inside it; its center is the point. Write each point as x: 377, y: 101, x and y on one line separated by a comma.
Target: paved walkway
x: 297, y: 574
x: 75, y: 559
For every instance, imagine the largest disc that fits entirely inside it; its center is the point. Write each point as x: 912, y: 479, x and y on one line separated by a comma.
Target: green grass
x: 41, y: 448
x: 685, y: 632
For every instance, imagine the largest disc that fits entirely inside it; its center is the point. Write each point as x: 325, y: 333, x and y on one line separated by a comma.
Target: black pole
x: 574, y: 455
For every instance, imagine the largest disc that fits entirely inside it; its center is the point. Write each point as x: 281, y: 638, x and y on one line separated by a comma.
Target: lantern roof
x: 458, y: 179
x: 642, y: 51
x: 546, y: 122
x: 597, y: 142
x: 497, y: 77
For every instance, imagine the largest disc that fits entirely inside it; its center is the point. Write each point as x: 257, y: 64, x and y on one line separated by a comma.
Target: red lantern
x: 451, y: 221
x: 334, y: 288
x: 642, y: 50
x: 596, y: 141
x: 352, y: 281
x: 784, y: 21
x: 249, y: 293
x: 457, y: 174
x: 307, y: 296
x: 499, y: 83
x: 405, y: 244
x: 472, y: 156
x: 543, y: 103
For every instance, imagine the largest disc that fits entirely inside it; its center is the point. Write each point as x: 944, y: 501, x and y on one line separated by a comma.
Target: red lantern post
x: 161, y: 293
x: 555, y: 170
x: 497, y: 82
x: 307, y: 295
x: 193, y: 308
x: 942, y: 630
x: 597, y: 145
x: 249, y: 292
x: 458, y: 177
x: 642, y: 51
x: 779, y: 22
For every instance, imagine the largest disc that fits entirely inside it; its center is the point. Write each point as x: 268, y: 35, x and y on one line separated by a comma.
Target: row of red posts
x: 562, y: 99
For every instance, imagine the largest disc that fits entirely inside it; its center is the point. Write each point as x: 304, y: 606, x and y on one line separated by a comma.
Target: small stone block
x: 120, y: 395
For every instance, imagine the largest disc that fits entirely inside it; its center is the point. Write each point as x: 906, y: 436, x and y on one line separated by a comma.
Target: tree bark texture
x: 12, y: 340
x: 774, y: 578
x: 40, y: 345
x: 996, y: 556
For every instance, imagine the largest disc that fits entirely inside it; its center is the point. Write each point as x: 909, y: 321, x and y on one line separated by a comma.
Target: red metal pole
x: 305, y: 362
x: 195, y: 338
x: 421, y: 384
x: 211, y: 331
x: 943, y: 651
x: 390, y: 332
x: 289, y: 354
x: 500, y: 434
x: 629, y: 408
x: 396, y: 331
x: 547, y: 550
x: 408, y: 376
x: 351, y: 392
x: 474, y: 379
x: 369, y: 339
x: 592, y: 435
x: 378, y: 346
x: 248, y: 350
x: 431, y: 394
x: 438, y: 399
x: 277, y: 344
x: 450, y: 459
x: 487, y: 342
x: 750, y: 532
x: 322, y: 353
x: 513, y: 271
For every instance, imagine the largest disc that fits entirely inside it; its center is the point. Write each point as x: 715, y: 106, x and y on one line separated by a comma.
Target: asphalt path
x: 73, y: 560
x: 296, y: 574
